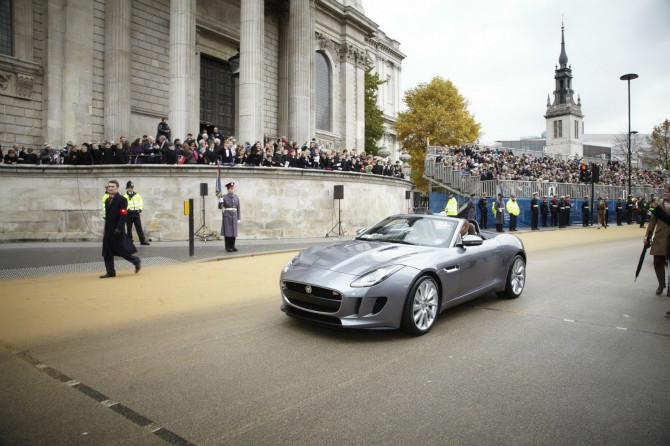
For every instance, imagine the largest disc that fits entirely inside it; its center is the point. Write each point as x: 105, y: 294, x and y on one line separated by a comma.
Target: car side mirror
x: 359, y: 231
x: 472, y: 240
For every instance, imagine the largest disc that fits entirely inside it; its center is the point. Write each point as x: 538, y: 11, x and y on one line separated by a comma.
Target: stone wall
x: 64, y: 202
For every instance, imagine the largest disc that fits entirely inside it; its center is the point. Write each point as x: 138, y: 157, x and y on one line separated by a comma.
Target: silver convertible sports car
x: 401, y: 273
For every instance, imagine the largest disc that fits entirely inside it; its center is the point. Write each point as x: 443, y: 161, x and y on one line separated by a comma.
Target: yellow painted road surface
x: 51, y: 308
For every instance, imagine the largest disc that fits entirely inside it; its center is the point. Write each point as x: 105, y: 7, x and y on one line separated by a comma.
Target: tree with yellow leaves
x: 438, y: 112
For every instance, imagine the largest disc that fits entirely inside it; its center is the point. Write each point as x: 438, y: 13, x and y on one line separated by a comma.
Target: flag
x: 218, y: 183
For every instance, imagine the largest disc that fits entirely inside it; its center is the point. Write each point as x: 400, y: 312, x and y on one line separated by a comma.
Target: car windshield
x: 417, y: 230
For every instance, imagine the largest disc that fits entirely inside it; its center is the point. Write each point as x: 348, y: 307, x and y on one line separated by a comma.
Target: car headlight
x: 376, y: 276
x: 291, y: 263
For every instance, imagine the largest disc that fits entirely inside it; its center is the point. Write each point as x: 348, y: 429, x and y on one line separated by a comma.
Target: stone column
x: 68, y: 78
x: 348, y: 76
x: 282, y: 118
x: 117, y: 68
x: 252, y: 15
x: 53, y: 71
x: 359, y: 68
x: 182, y: 54
x: 300, y: 63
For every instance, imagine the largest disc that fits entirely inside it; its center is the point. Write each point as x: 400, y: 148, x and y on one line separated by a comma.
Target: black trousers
x: 629, y: 217
x: 544, y: 220
x: 484, y: 220
x: 230, y: 242
x: 554, y: 219
x: 619, y: 218
x: 585, y: 218
x: 134, y: 218
x: 109, y: 263
x: 533, y: 220
x: 512, y: 222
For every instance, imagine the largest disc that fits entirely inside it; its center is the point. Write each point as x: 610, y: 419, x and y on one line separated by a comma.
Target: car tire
x: 516, y: 279
x: 421, y: 306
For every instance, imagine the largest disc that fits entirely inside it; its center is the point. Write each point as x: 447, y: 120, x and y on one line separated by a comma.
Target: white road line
x: 153, y: 427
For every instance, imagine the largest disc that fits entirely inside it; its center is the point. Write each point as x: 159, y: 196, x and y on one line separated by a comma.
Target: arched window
x: 322, y: 92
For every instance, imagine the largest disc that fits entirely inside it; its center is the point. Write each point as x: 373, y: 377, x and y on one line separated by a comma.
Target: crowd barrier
x: 464, y: 184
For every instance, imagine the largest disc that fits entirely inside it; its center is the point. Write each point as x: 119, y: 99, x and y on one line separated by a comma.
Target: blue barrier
x: 438, y: 201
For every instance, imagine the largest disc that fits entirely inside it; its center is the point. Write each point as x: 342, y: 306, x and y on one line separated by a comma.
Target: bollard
x: 188, y: 210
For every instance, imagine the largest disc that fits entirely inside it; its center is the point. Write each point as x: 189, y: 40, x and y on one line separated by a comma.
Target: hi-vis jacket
x: 135, y: 203
x: 452, y: 207
x: 104, y: 210
x: 513, y: 207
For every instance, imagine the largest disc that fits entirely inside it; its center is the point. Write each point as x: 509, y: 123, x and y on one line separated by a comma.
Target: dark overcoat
x: 116, y: 213
x: 230, y: 216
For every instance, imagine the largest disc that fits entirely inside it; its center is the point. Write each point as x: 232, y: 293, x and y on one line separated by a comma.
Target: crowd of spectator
x: 209, y: 148
x: 500, y: 164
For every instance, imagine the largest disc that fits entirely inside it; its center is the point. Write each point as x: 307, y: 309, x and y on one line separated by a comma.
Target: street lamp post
x: 629, y: 77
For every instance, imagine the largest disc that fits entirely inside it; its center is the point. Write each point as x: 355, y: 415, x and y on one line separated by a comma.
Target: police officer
x: 514, y: 211
x: 619, y: 212
x: 452, y: 206
x: 554, y: 210
x: 230, y: 207
x: 544, y: 211
x: 115, y: 242
x: 483, y: 212
x: 585, y: 211
x: 644, y: 210
x: 135, y: 206
x: 630, y: 205
x: 534, y: 212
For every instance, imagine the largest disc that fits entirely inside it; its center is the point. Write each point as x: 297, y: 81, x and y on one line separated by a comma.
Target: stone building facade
x: 86, y: 70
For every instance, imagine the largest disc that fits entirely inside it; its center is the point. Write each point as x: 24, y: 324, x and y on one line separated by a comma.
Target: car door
x: 478, y: 266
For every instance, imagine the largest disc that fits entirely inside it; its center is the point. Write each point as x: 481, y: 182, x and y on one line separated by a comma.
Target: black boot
x: 660, y: 276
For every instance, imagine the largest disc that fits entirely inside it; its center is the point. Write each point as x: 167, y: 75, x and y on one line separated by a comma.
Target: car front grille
x: 318, y: 299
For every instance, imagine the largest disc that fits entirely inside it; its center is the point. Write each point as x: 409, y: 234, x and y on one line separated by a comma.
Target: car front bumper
x: 327, y: 298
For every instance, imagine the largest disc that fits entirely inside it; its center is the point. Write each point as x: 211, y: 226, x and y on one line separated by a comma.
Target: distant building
x: 564, y: 116
x: 564, y: 135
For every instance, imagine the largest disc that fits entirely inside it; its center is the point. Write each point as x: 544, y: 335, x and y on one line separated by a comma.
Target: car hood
x: 357, y: 257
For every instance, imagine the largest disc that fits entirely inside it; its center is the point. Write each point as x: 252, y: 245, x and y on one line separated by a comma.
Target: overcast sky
x: 501, y: 55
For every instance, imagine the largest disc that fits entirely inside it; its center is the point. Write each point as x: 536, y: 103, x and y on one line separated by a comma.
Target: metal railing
x: 466, y: 184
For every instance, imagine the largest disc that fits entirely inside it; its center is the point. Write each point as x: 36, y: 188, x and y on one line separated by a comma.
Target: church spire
x: 563, y: 58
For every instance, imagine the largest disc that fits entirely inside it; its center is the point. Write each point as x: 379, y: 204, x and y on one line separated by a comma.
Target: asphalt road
x: 582, y: 357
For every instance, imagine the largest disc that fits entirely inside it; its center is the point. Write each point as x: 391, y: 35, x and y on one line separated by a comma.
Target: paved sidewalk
x: 37, y: 259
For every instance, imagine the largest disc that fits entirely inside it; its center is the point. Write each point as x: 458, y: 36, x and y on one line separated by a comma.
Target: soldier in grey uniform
x: 230, y: 207
x: 500, y: 213
x: 472, y: 208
